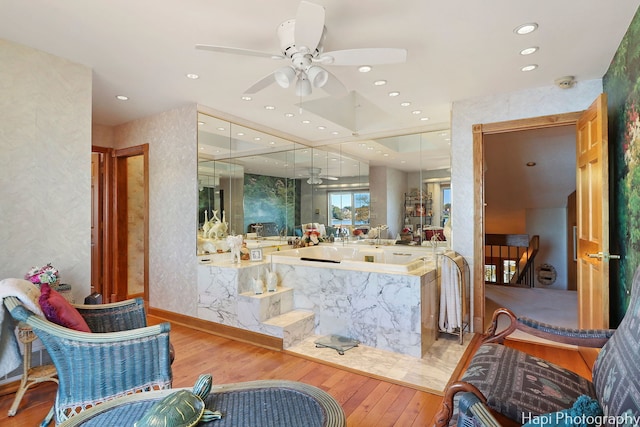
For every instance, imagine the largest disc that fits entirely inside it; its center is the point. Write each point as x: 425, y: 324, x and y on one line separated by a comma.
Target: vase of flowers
x: 39, y: 275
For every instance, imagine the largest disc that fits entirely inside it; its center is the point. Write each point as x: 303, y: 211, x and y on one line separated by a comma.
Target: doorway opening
x: 482, y: 135
x: 131, y: 223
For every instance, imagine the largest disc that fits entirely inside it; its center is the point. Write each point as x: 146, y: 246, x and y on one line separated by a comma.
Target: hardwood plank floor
x: 367, y: 402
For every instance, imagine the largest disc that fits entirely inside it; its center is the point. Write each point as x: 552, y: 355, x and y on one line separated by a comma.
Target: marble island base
x: 392, y: 312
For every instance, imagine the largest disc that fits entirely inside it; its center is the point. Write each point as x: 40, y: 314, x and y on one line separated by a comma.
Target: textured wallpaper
x: 45, y: 165
x: 173, y: 204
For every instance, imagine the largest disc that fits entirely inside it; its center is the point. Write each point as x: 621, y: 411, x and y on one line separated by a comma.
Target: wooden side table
x: 30, y: 376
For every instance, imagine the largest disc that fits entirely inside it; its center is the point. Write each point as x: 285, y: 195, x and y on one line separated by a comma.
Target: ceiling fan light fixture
x: 318, y: 76
x: 284, y: 76
x: 303, y: 86
x: 314, y: 180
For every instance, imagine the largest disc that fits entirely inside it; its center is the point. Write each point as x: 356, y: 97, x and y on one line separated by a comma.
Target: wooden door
x: 592, y: 188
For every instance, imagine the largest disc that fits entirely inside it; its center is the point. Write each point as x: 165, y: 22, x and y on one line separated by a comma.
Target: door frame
x: 479, y: 131
x: 119, y: 291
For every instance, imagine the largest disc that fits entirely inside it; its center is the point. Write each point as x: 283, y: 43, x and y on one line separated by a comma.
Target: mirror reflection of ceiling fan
x: 316, y: 177
x: 301, y: 42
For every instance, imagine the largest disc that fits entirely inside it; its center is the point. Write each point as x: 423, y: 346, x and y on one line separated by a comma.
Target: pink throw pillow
x: 58, y: 310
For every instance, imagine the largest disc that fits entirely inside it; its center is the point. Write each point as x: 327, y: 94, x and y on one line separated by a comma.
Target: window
x: 446, y: 204
x: 349, y: 208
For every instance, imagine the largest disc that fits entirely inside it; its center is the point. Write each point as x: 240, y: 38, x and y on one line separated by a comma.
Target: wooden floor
x: 366, y: 401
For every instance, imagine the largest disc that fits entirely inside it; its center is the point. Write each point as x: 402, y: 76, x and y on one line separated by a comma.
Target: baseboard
x: 218, y: 329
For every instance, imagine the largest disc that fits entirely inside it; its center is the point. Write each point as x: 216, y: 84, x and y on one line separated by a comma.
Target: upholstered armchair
x: 521, y: 387
x: 121, y: 355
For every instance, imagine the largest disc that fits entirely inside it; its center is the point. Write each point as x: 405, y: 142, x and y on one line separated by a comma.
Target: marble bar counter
x: 394, y: 311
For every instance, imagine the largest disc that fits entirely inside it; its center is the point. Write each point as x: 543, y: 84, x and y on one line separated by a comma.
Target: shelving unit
x: 418, y: 212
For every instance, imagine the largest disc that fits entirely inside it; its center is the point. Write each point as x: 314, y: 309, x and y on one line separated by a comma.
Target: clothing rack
x: 453, y: 313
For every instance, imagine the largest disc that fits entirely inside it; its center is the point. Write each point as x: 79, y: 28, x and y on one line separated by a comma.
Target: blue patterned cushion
x: 616, y: 372
x: 518, y: 384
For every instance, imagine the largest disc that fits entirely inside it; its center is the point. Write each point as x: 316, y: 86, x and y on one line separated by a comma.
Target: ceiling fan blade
x: 238, y: 51
x: 365, y: 56
x: 309, y: 26
x: 261, y: 84
x: 334, y: 86
x: 330, y: 178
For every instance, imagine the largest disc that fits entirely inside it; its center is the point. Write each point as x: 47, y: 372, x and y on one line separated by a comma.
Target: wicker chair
x: 521, y: 387
x: 122, y: 356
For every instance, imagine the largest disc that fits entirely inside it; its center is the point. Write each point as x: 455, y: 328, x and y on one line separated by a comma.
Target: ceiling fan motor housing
x: 286, y: 35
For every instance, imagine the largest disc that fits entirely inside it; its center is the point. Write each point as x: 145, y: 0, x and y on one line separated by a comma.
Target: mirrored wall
x: 255, y: 184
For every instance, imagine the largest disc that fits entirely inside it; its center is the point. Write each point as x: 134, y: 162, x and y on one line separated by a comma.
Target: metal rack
x: 463, y: 278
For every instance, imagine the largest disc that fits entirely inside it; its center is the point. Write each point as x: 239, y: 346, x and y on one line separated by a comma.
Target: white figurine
x: 219, y: 229
x: 272, y: 281
x: 206, y: 226
x: 258, y: 285
x: 235, y: 243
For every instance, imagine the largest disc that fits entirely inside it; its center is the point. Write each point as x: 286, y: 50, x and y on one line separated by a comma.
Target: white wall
x: 45, y: 165
x: 497, y: 108
x: 551, y: 226
x: 173, y: 201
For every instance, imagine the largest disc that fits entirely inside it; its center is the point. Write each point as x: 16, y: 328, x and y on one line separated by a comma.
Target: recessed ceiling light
x: 424, y: 119
x: 364, y: 68
x: 335, y: 132
x: 200, y: 123
x: 240, y: 134
x: 246, y: 98
x: 321, y: 127
x: 220, y: 128
x: 394, y: 93
x: 289, y: 115
x: 529, y: 50
x: 529, y: 67
x: 405, y: 104
x: 386, y: 154
x: 526, y: 28
x: 122, y: 97
x: 306, y: 122
x: 416, y: 112
x: 531, y: 164
x: 192, y: 76
x: 269, y: 107
x: 380, y: 82
x: 257, y: 138
x: 272, y: 143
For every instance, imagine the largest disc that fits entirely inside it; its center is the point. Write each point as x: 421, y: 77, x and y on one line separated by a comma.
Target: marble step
x: 293, y: 326
x: 266, y: 305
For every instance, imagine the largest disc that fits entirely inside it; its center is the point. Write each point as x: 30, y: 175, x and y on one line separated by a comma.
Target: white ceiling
x: 144, y: 48
x: 456, y: 50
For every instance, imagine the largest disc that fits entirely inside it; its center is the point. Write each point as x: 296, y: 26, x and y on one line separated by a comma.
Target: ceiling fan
x: 316, y: 177
x: 301, y: 42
